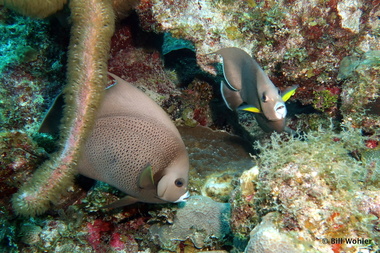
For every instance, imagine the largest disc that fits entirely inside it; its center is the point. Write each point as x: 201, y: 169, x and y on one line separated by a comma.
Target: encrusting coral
x: 92, y: 28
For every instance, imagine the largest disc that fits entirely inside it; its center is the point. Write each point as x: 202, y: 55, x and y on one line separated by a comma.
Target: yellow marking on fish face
x: 249, y: 108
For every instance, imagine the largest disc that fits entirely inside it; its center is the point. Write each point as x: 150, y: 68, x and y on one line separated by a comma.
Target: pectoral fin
x: 249, y: 108
x: 127, y: 200
x: 146, y: 178
x: 289, y: 92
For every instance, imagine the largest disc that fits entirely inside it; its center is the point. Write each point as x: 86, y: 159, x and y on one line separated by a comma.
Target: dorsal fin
x: 52, y: 120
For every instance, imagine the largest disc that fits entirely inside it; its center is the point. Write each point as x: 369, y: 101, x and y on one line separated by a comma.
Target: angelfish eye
x: 179, y: 182
x: 264, y: 98
x: 279, y: 92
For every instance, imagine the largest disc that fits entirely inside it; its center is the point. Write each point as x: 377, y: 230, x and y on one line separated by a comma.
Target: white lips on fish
x: 183, y: 198
x: 280, y: 110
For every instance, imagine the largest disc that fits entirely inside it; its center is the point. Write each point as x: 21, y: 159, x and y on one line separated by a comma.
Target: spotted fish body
x: 248, y: 88
x: 135, y: 147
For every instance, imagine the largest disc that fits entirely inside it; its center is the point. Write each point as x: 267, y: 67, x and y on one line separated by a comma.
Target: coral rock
x: 200, y: 219
x: 266, y: 238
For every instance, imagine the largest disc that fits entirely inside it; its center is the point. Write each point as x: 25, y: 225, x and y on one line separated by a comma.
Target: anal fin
x: 52, y: 119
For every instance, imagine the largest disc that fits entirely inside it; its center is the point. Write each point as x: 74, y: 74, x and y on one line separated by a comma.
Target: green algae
x: 188, y: 117
x: 324, y: 100
x: 299, y: 54
x: 315, y: 121
x: 326, y: 152
x: 309, y: 178
x: 371, y: 157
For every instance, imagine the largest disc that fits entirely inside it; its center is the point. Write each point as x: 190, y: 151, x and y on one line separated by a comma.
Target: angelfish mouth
x: 280, y: 110
x: 183, y: 198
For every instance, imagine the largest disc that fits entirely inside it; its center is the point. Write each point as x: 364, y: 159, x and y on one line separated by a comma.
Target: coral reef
x: 360, y: 90
x: 318, y: 189
x: 295, y: 42
x: 31, y: 67
x: 210, y: 229
x: 160, y: 83
x: 276, y: 33
x: 20, y: 155
x: 243, y: 215
x: 100, y: 230
x: 317, y: 185
x: 287, y: 37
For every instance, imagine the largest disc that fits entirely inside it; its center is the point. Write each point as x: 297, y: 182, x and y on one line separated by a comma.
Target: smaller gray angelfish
x: 248, y: 88
x: 135, y: 147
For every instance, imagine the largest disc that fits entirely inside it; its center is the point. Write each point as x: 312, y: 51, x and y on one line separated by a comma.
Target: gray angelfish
x: 135, y: 147
x: 248, y: 88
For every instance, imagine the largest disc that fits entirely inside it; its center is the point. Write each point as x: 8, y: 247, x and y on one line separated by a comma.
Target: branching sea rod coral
x: 92, y: 28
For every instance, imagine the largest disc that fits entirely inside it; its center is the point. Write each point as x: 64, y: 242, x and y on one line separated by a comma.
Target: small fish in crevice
x: 248, y: 88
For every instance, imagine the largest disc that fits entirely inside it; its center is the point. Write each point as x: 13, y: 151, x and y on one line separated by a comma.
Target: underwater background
x: 314, y: 190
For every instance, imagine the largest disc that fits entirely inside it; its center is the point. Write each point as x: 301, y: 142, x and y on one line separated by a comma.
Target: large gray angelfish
x: 248, y: 88
x: 133, y: 146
